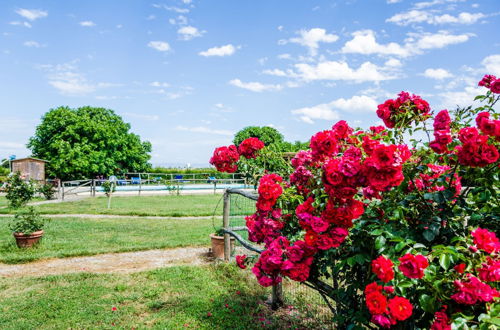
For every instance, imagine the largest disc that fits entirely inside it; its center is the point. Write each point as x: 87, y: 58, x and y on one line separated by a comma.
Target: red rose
x: 486, y: 240
x: 373, y: 287
x: 224, y: 159
x: 441, y: 321
x: 323, y: 144
x: 400, y: 308
x: 495, y: 86
x: 413, y: 266
x: 468, y: 134
x: 442, y: 120
x: 490, y: 272
x: 460, y: 268
x: 486, y: 81
x: 472, y: 290
x: 376, y: 302
x: 240, y: 261
x: 489, y: 153
x: 248, y: 148
x: 382, y: 267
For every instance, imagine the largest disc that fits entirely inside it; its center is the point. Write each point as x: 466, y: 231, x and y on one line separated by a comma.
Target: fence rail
x: 237, y: 205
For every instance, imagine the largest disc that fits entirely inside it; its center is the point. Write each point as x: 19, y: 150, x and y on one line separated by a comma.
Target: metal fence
x: 152, y: 182
x: 237, y: 205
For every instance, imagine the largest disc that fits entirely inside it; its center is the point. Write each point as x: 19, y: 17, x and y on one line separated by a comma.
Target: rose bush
x: 251, y: 158
x: 397, y: 233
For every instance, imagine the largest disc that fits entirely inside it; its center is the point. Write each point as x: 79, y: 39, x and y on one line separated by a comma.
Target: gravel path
x: 127, y: 262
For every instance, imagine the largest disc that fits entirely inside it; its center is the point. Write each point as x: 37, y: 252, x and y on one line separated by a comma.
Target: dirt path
x: 127, y: 262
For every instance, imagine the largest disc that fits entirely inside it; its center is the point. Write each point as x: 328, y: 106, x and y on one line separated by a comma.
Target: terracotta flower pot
x: 26, y: 241
x: 218, y: 245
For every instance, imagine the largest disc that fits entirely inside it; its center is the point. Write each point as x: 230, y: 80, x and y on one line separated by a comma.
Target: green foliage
x: 266, y: 134
x: 27, y: 221
x: 19, y: 191
x: 85, y: 142
x: 269, y: 159
x: 47, y: 190
x: 108, y: 187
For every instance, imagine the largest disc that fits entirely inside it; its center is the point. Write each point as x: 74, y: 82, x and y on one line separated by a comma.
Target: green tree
x: 85, y: 142
x: 266, y: 134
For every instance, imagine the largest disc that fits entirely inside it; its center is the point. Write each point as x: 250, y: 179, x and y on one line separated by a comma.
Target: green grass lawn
x: 71, y: 236
x: 3, y: 201
x: 185, y: 297
x: 166, y: 205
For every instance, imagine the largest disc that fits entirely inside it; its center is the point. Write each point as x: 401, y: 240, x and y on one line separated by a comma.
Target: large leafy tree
x: 266, y: 134
x: 85, y: 142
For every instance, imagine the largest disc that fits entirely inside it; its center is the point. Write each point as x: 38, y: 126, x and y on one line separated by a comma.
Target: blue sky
x: 188, y: 74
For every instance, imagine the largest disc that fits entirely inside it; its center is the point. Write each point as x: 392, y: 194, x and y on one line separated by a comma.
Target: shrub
x: 47, y: 190
x: 385, y: 228
x: 19, y: 191
x: 27, y: 221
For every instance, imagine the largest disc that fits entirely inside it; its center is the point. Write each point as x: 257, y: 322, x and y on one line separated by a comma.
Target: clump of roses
x: 410, y: 225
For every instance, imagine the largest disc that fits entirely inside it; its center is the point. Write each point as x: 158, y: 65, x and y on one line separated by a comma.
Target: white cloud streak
x: 160, y: 46
x: 32, y: 14
x: 226, y: 50
x: 255, y: 86
x: 330, y: 111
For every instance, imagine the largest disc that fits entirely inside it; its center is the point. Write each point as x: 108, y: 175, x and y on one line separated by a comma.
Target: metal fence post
x: 140, y: 184
x: 277, y: 296
x: 225, y: 224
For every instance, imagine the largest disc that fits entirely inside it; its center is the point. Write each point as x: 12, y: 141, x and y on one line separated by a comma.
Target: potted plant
x: 217, y: 240
x: 27, y: 227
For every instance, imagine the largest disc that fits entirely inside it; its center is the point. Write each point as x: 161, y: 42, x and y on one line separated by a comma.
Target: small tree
x: 109, y: 188
x: 19, y: 191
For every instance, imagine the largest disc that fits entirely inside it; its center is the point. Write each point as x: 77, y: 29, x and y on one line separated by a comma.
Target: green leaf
x: 399, y: 246
x: 380, y: 242
x: 427, y: 303
x: 428, y: 235
x: 444, y: 261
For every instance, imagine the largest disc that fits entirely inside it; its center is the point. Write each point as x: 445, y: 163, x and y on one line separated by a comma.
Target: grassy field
x: 166, y: 205
x: 208, y: 297
x: 66, y: 237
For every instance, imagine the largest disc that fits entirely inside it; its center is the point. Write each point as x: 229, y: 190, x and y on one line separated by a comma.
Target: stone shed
x: 30, y: 168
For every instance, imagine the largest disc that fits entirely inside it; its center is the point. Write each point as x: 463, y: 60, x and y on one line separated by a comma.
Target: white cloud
x: 311, y: 39
x: 159, y: 84
x: 329, y: 111
x: 393, y: 63
x: 174, y: 9
x: 422, y: 16
x: 439, y: 40
x: 32, y: 14
x: 460, y: 98
x: 223, y: 108
x: 32, y: 43
x: 67, y: 79
x: 255, y: 86
x: 203, y: 129
x: 25, y: 24
x: 364, y: 43
x: 492, y: 64
x: 187, y: 2
x: 331, y: 70
x: 189, y: 32
x: 393, y: 1
x: 226, y: 50
x: 437, y: 74
x: 275, y: 72
x: 180, y: 20
x: 161, y: 46
x: 87, y: 23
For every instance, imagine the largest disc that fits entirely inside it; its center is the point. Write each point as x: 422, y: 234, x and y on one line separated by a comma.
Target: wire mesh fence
x: 298, y: 298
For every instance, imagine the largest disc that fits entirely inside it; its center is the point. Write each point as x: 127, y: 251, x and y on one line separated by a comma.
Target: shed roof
x: 32, y: 158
